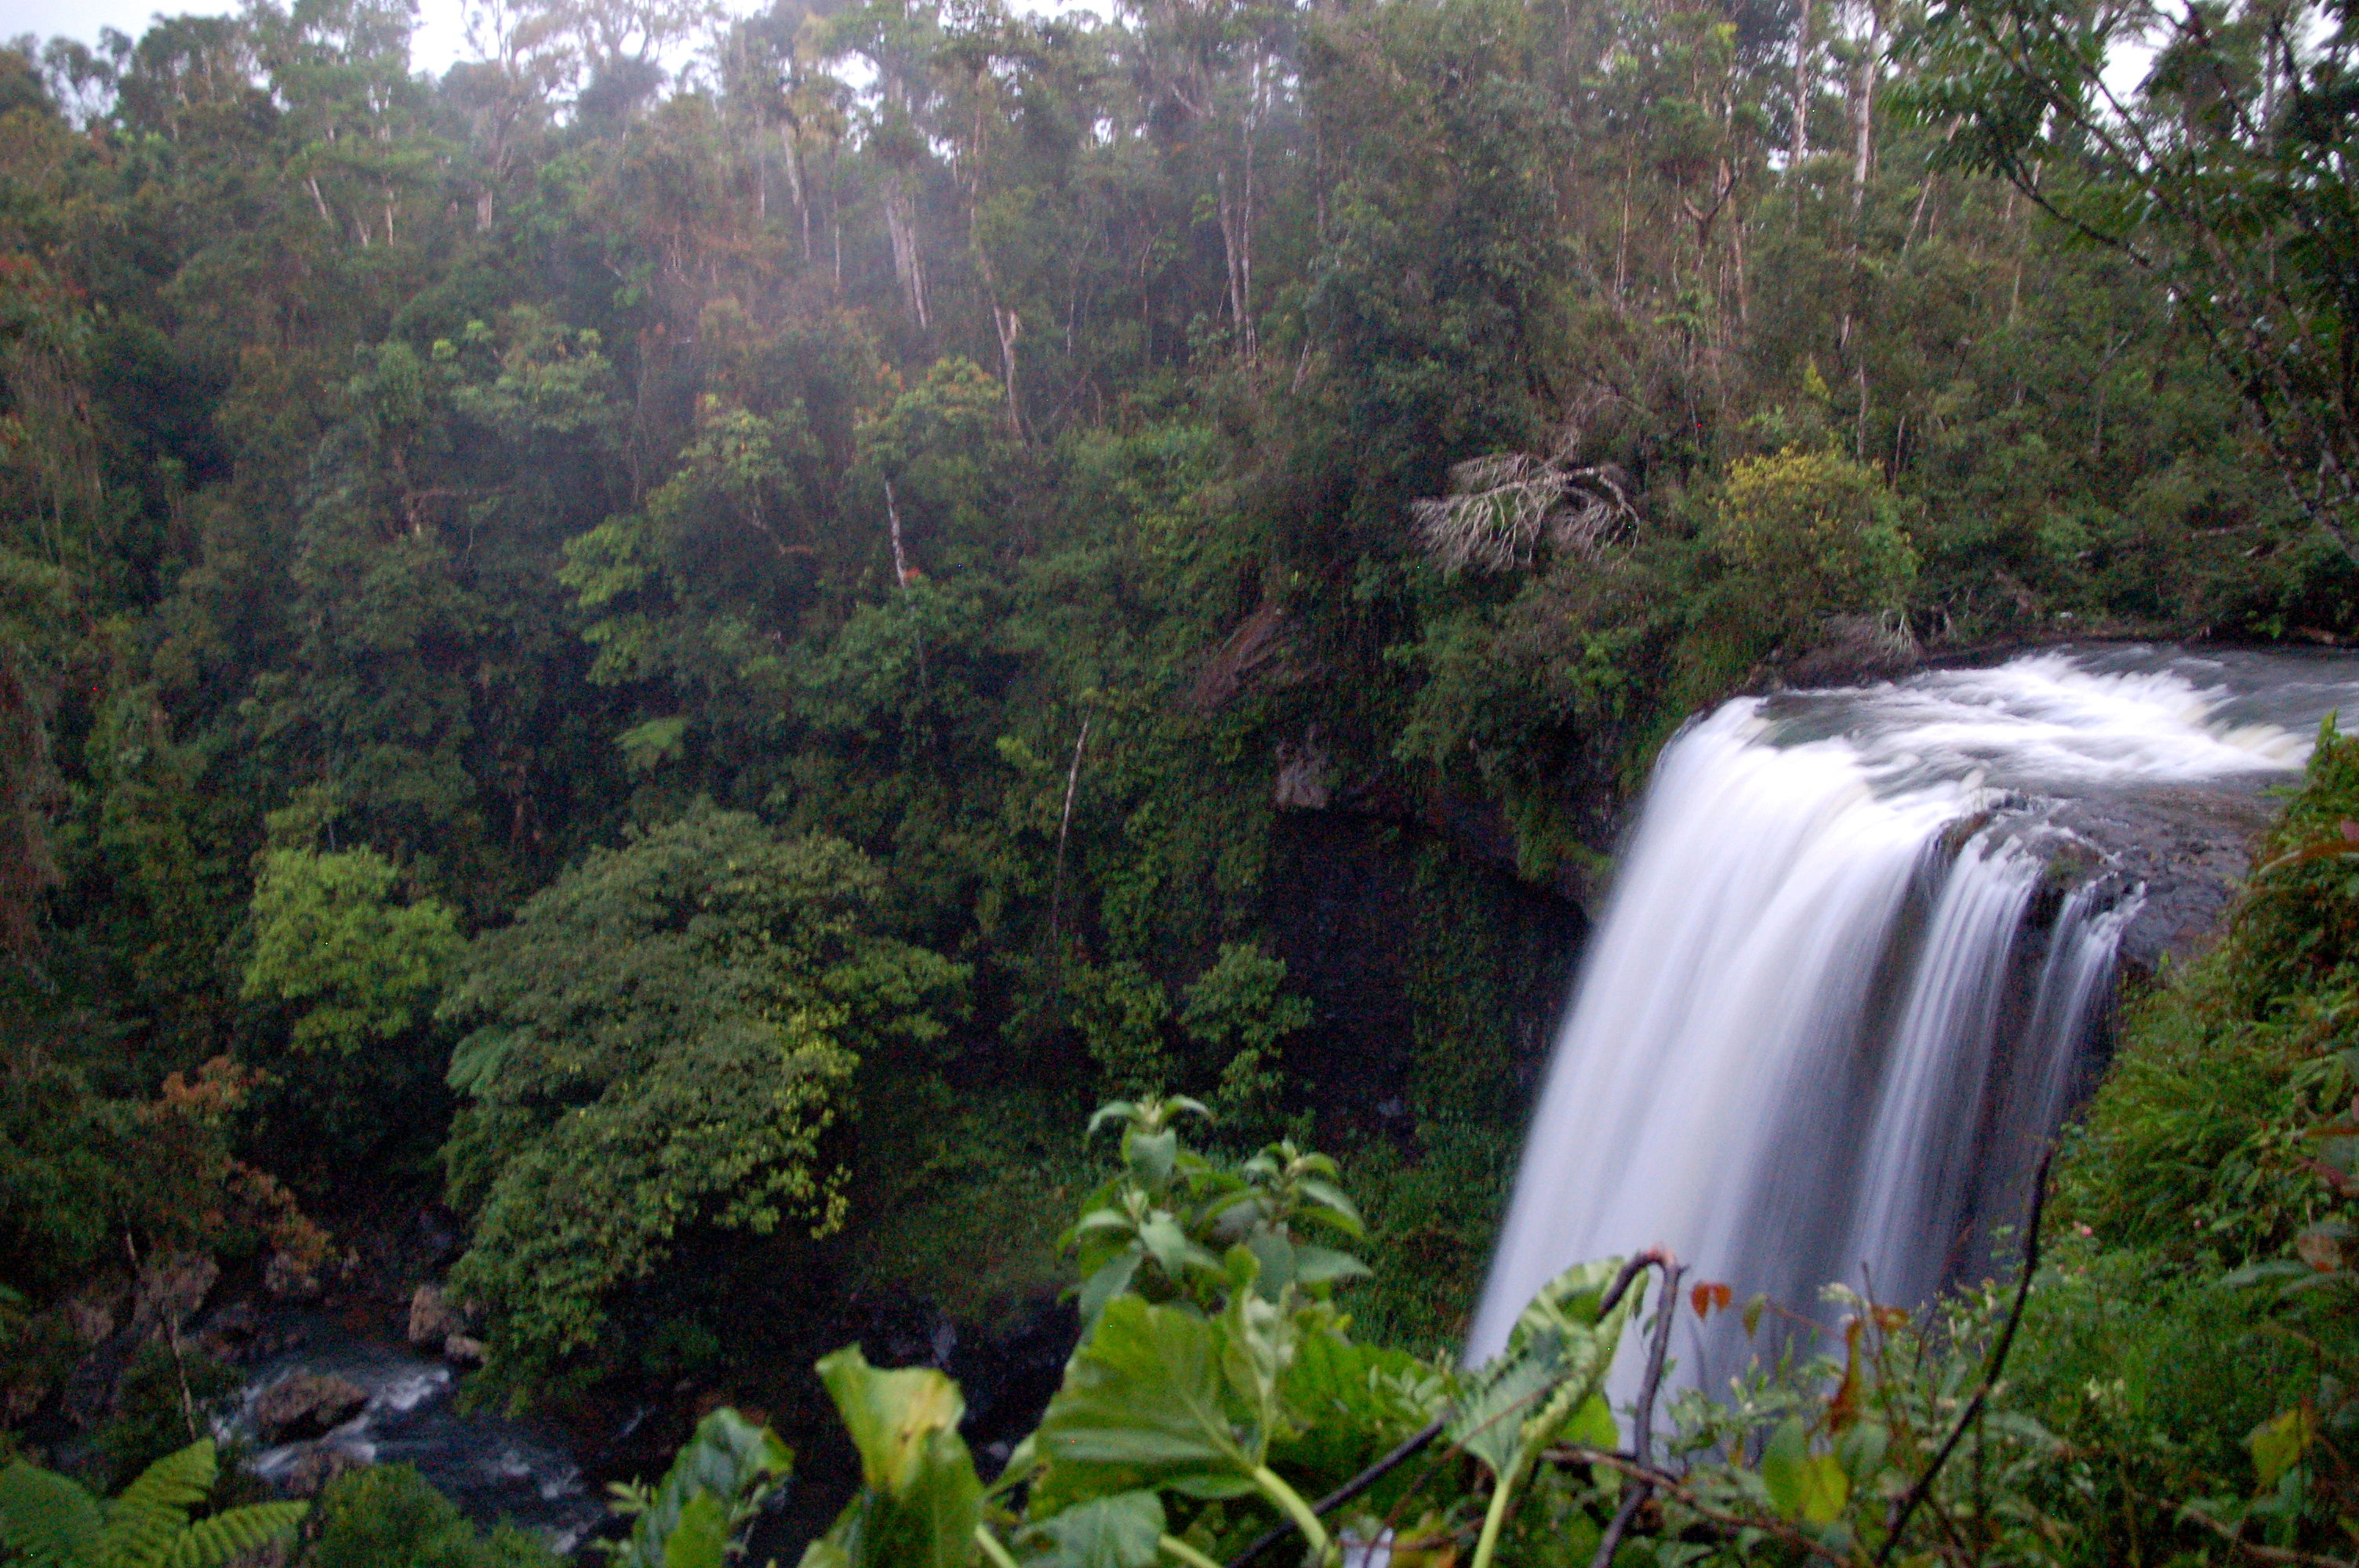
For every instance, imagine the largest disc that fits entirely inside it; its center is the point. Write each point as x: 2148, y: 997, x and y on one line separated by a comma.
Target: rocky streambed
x: 322, y: 1396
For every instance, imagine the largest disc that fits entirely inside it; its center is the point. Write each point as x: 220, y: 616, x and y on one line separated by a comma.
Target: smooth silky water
x: 1848, y: 981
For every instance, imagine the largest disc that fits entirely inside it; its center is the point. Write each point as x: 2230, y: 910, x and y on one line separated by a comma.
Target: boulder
x: 432, y: 1317
x: 461, y: 1351
x: 171, y: 1288
x: 318, y: 1464
x: 2190, y: 845
x: 307, y: 1404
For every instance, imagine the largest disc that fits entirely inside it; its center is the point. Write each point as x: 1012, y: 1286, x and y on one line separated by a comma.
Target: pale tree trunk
x: 1010, y: 326
x: 794, y: 151
x: 1801, y: 148
x: 908, y: 262
x: 1863, y: 110
x: 1736, y: 252
x: 1236, y: 212
x: 1232, y: 242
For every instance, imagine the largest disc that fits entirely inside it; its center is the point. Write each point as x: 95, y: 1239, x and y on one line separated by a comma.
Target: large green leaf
x: 1150, y: 1401
x: 1556, y: 1358
x: 1554, y: 1365
x: 1120, y: 1531
x: 700, y: 1539
x: 728, y: 1459
x: 45, y: 1520
x: 1110, y: 1282
x: 919, y: 1499
x: 1811, y: 1487
x: 1348, y: 1403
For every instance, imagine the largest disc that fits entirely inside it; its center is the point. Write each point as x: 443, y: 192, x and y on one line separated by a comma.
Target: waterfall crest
x: 1841, y: 994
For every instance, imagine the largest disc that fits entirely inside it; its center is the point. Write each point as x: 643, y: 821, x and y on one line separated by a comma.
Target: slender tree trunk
x: 908, y: 261
x: 1010, y: 326
x: 1863, y: 111
x: 900, y: 560
x: 1065, y: 826
x: 1736, y: 253
x: 1801, y: 147
x: 794, y: 160
x: 1235, y: 207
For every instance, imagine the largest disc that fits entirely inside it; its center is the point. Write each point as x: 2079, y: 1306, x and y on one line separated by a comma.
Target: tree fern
x: 210, y: 1542
x: 153, y: 1511
x: 48, y: 1521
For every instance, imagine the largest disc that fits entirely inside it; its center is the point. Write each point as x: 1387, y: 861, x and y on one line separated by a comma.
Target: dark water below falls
x: 491, y: 1467
x: 1855, y: 965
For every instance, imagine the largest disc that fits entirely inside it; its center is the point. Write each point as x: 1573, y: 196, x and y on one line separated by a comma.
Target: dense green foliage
x: 386, y: 1515
x: 698, y: 634
x: 664, y: 1036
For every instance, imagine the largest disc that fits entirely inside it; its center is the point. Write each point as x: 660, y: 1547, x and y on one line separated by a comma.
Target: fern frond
x: 150, y: 1513
x: 45, y: 1520
x: 210, y: 1542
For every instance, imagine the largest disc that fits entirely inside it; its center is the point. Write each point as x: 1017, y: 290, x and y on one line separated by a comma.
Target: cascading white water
x: 1839, y: 996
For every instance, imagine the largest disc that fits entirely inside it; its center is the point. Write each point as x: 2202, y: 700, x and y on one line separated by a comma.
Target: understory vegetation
x: 677, y: 648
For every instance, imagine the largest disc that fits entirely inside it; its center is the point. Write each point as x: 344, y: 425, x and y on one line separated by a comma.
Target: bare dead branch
x: 1910, y: 1501
x: 1642, y: 1424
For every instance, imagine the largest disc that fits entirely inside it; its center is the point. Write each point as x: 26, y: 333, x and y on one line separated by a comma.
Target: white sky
x: 441, y: 35
x: 440, y: 38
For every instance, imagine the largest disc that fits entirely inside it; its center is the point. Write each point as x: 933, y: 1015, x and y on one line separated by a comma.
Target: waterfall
x: 1842, y: 995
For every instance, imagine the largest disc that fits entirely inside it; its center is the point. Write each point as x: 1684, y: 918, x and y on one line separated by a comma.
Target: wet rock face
x: 307, y: 1404
x: 2191, y: 845
x: 319, y: 1465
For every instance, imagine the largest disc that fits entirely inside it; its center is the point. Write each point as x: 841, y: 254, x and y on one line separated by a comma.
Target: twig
x: 1064, y: 826
x: 1630, y: 1271
x: 1923, y: 1486
x: 1642, y: 1425
x: 1407, y: 1450
x: 2263, y: 1553
x: 1664, y: 1481
x: 171, y: 1341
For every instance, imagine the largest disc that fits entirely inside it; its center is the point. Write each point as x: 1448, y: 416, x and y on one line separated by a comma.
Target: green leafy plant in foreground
x: 1214, y: 1394
x: 1213, y: 1414
x: 716, y: 1482
x: 47, y: 1520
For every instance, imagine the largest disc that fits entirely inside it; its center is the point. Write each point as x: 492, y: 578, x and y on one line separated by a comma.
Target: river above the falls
x: 1856, y: 962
